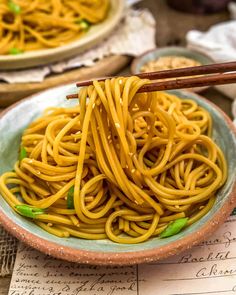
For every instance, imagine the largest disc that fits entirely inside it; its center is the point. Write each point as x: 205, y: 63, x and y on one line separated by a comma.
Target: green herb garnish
x: 22, y: 154
x: 29, y: 211
x: 15, y: 8
x: 15, y: 51
x: 174, y: 227
x: 234, y: 212
x: 70, y: 198
x: 85, y: 25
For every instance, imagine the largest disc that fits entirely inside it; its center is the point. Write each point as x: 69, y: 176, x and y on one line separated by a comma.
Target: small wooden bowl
x: 16, y: 118
x: 154, y: 54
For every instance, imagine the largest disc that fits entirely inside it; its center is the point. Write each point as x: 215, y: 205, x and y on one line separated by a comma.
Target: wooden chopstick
x: 217, y: 79
x: 183, y: 72
x: 218, y: 76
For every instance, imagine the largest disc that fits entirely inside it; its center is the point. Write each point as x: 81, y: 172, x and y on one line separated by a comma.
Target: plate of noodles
x: 115, y: 177
x: 47, y: 31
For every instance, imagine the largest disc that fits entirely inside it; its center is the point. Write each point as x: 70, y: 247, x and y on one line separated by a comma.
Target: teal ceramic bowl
x: 16, y: 118
x: 154, y: 54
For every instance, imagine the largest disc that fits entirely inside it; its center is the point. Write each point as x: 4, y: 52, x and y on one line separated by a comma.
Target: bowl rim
x: 123, y: 258
x: 137, y: 59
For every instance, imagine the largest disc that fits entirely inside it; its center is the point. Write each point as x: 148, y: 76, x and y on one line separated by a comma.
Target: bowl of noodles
x: 115, y: 176
x: 43, y: 32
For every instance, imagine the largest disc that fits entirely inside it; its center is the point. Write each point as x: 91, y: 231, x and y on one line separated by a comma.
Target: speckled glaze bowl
x: 16, y: 118
x: 154, y: 54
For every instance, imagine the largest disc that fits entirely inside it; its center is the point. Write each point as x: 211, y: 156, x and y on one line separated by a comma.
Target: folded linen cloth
x: 219, y: 42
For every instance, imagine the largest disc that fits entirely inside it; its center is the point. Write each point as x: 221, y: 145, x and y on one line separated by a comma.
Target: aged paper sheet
x: 209, y: 268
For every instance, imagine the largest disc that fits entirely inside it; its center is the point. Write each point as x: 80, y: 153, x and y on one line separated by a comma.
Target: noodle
x: 32, y: 25
x: 122, y: 165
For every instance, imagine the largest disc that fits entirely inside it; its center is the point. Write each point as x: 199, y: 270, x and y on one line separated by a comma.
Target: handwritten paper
x: 37, y: 274
x: 209, y: 268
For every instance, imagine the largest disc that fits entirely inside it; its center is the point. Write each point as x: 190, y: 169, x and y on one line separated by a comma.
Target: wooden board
x: 10, y: 93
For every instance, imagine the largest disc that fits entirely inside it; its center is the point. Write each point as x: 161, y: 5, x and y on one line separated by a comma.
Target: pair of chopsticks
x: 213, y: 74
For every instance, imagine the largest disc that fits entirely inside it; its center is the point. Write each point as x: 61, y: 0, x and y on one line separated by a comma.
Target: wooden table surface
x: 171, y: 29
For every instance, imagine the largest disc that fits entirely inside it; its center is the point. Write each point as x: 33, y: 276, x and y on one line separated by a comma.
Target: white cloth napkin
x: 219, y: 42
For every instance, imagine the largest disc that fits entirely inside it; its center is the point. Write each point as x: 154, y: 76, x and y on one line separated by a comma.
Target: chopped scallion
x: 174, y: 227
x: 29, y: 211
x: 85, y: 25
x: 23, y: 153
x: 234, y: 212
x: 70, y: 198
x: 15, y: 8
x: 15, y: 51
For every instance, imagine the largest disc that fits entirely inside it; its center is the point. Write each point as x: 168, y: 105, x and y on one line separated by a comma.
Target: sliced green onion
x: 29, y: 211
x: 23, y: 153
x: 174, y: 227
x: 15, y: 8
x: 234, y: 212
x: 85, y: 25
x: 78, y: 20
x: 15, y: 51
x: 70, y: 198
